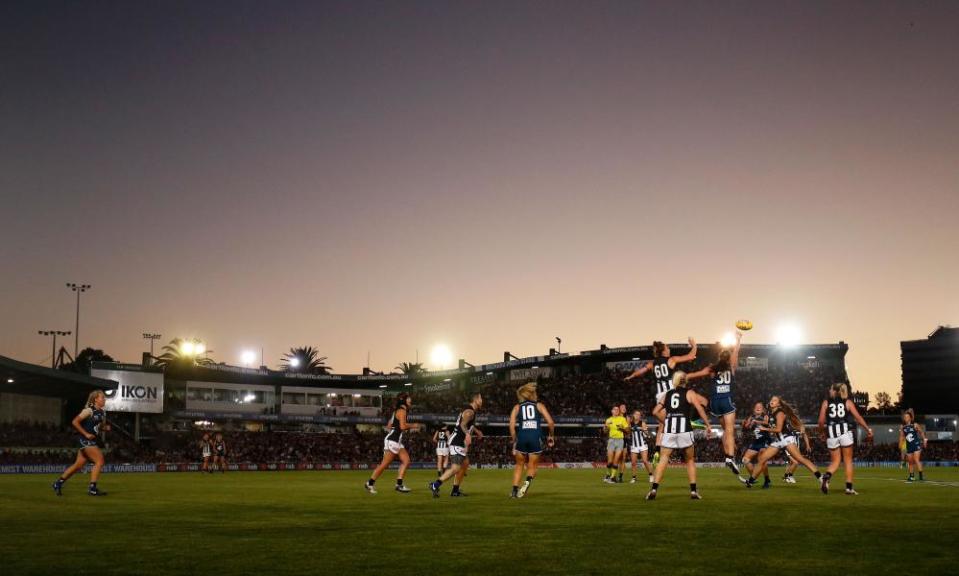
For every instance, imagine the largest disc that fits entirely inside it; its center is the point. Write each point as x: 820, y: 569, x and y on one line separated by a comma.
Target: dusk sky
x: 385, y: 176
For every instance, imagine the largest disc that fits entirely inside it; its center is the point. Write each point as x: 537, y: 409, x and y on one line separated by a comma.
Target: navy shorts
x: 529, y: 445
x: 84, y: 443
x: 913, y: 449
x: 758, y: 445
x: 721, y: 406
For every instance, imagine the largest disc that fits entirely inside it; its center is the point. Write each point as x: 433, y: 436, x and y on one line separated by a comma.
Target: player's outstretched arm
x: 707, y: 371
x: 691, y: 355
x: 734, y: 355
x: 640, y: 371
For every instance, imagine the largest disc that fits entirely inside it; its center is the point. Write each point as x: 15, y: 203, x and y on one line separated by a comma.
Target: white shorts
x: 442, y: 451
x: 458, y: 451
x: 844, y: 441
x: 390, y: 446
x: 659, y: 397
x: 781, y: 444
x: 206, y: 453
x: 638, y: 449
x: 680, y: 440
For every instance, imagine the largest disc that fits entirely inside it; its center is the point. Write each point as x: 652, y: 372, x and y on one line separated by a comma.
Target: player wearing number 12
x: 525, y: 422
x: 834, y: 422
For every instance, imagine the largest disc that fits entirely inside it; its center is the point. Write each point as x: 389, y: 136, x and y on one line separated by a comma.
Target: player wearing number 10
x: 524, y: 430
x: 834, y: 416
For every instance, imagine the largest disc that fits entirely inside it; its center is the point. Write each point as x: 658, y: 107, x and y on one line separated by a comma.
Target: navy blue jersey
x: 722, y: 385
x: 664, y: 375
x: 913, y: 439
x: 93, y: 420
x: 759, y: 436
x: 528, y: 420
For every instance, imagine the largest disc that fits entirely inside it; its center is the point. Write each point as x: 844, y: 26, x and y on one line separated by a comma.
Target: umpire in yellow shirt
x: 616, y: 426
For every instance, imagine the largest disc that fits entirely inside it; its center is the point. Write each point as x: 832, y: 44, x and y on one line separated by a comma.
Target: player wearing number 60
x: 834, y: 423
x: 524, y: 430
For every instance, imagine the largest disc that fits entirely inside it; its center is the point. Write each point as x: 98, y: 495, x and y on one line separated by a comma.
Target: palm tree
x: 305, y: 360
x: 411, y: 369
x: 172, y: 354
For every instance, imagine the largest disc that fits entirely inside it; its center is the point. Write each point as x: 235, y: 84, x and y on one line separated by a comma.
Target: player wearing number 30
x: 834, y: 420
x: 524, y: 430
x: 721, y: 398
x: 675, y: 410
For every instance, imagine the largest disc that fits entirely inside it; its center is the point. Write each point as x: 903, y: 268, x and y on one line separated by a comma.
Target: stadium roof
x: 23, y: 378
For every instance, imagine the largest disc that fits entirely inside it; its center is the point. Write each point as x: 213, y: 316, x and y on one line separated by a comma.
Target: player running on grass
x: 393, y: 444
x: 525, y: 421
x: 835, y: 424
x: 784, y: 427
x: 89, y: 422
x: 459, y: 443
x: 675, y: 410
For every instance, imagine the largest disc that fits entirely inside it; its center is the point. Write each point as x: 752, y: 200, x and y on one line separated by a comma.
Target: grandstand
x: 277, y: 418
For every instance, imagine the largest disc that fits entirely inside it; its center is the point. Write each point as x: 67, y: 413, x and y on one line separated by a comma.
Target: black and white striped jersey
x: 838, y: 419
x: 677, y: 412
x: 441, y: 439
x: 664, y: 375
x: 462, y: 427
x: 395, y: 433
x: 637, y: 438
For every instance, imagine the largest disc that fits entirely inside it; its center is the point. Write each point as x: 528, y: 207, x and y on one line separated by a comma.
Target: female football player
x: 393, y: 444
x: 459, y: 443
x: 784, y: 426
x: 721, y: 405
x: 89, y: 422
x: 528, y: 416
x: 675, y: 409
x: 219, y: 453
x: 663, y: 364
x: 760, y: 439
x: 836, y: 412
x: 205, y: 451
x: 637, y: 445
x: 440, y: 438
x: 915, y: 440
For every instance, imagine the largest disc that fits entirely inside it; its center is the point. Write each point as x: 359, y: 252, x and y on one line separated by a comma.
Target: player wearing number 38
x: 835, y: 417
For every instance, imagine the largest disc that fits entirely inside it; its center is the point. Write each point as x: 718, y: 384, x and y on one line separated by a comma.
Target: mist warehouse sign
x: 138, y: 391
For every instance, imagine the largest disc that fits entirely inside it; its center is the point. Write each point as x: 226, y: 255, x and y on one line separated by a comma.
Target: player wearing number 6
x: 524, y: 429
x: 721, y: 398
x: 835, y: 417
x: 675, y: 410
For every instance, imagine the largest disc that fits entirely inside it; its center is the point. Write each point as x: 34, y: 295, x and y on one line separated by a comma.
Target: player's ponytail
x: 792, y: 417
x: 527, y: 392
x: 658, y: 349
x: 401, y: 399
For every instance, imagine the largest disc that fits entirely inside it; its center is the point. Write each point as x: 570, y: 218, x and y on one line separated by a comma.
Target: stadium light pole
x: 53, y: 349
x: 152, y: 338
x: 79, y: 289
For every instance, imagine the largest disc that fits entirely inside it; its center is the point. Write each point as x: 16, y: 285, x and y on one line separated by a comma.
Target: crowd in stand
x: 593, y: 394
x: 44, y: 445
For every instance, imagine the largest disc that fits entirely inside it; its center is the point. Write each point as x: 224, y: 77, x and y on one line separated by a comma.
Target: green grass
x: 571, y: 523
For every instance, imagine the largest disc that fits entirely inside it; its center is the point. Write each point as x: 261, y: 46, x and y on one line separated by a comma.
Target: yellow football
x: 744, y: 325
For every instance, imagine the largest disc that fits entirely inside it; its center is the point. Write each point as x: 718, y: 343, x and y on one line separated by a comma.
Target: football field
x: 570, y: 523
